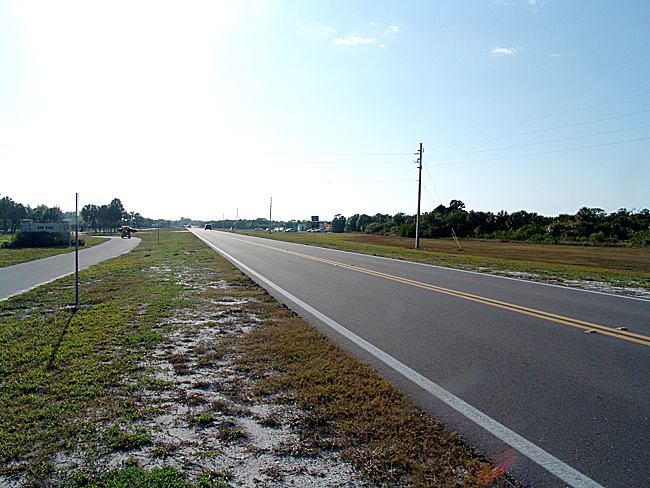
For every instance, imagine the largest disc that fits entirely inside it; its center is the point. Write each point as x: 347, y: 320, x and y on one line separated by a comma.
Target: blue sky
x: 206, y: 109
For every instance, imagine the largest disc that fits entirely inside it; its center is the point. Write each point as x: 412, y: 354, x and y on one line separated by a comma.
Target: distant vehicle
x: 189, y: 226
x: 291, y: 229
x: 207, y: 227
x: 126, y: 231
x: 258, y: 228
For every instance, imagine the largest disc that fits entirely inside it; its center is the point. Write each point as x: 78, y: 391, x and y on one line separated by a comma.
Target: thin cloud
x: 317, y: 30
x: 351, y: 40
x: 372, y: 38
x: 390, y: 31
x: 532, y: 4
x: 503, y: 51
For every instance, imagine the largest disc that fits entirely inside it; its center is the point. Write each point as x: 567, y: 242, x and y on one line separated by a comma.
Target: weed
x: 227, y: 435
x: 167, y: 477
x: 204, y: 419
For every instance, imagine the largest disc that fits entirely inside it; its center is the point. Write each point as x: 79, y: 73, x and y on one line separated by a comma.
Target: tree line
x: 587, y: 225
x: 11, y: 213
x: 99, y: 218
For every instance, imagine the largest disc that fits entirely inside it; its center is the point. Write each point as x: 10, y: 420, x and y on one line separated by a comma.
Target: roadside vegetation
x: 176, y: 370
x: 589, y: 226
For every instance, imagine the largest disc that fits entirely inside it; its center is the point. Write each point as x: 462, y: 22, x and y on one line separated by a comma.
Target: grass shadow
x: 55, y: 350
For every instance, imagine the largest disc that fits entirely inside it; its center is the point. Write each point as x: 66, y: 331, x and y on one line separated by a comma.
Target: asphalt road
x: 20, y: 278
x: 535, y: 376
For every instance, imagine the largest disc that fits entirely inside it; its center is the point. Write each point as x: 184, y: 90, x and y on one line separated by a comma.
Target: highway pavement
x: 20, y: 278
x: 551, y: 381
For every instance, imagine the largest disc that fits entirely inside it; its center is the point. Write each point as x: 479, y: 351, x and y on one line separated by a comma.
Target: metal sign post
x: 315, y: 225
x: 76, y: 251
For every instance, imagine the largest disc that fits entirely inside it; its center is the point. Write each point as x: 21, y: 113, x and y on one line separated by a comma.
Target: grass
x: 9, y: 257
x: 58, y: 366
x: 75, y: 382
x: 349, y: 408
x: 619, y: 266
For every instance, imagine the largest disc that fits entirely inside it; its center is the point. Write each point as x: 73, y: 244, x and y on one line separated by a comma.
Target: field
x: 611, y: 268
x: 178, y: 371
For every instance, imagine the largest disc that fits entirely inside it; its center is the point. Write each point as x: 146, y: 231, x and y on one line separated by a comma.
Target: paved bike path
x: 23, y: 277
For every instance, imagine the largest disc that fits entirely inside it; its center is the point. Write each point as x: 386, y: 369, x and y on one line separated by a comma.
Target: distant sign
x: 314, y: 218
x: 58, y: 228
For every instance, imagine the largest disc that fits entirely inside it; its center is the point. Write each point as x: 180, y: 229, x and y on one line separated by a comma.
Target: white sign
x: 45, y: 228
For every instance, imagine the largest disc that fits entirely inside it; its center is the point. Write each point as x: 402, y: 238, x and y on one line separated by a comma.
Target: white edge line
x: 566, y: 473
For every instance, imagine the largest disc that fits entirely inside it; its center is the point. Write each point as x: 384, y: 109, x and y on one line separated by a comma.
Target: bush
x: 36, y: 239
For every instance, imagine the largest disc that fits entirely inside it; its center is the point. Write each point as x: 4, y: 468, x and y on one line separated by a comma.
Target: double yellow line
x: 580, y: 324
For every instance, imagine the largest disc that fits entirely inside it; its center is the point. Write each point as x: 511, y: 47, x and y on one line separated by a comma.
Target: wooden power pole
x: 417, y: 222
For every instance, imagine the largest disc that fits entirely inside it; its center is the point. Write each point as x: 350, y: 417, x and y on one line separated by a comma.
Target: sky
x: 210, y: 109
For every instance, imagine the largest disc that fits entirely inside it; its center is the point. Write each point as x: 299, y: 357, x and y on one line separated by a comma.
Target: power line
x: 318, y: 153
x: 544, y: 142
x: 545, y: 130
x: 559, y: 113
x: 544, y: 152
x: 433, y: 184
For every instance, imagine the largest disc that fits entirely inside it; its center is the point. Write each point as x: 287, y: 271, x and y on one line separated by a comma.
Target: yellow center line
x: 619, y: 334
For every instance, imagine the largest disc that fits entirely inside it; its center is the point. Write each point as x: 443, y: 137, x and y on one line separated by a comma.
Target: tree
x: 362, y: 221
x: 116, y: 213
x: 104, y: 217
x: 6, y: 207
x: 45, y: 214
x: 18, y: 213
x: 351, y: 224
x: 456, y: 205
x: 400, y: 218
x: 338, y: 223
x: 90, y: 215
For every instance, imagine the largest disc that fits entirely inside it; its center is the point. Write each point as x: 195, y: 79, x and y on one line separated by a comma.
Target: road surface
x: 20, y: 278
x: 535, y: 374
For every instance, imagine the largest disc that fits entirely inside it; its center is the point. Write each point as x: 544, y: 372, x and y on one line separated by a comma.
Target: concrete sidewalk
x: 20, y: 278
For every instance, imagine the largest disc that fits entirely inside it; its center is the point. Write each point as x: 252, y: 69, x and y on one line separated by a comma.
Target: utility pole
x: 417, y: 224
x: 76, y: 252
x: 270, y: 208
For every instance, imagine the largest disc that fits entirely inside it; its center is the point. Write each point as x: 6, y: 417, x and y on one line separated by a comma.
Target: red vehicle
x: 126, y: 231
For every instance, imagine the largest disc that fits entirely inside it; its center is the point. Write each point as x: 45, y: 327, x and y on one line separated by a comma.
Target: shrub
x: 36, y: 239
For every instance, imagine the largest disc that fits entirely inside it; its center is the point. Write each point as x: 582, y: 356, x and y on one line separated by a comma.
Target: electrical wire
x: 544, y: 152
x: 543, y: 142
x: 544, y: 130
x: 559, y: 113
